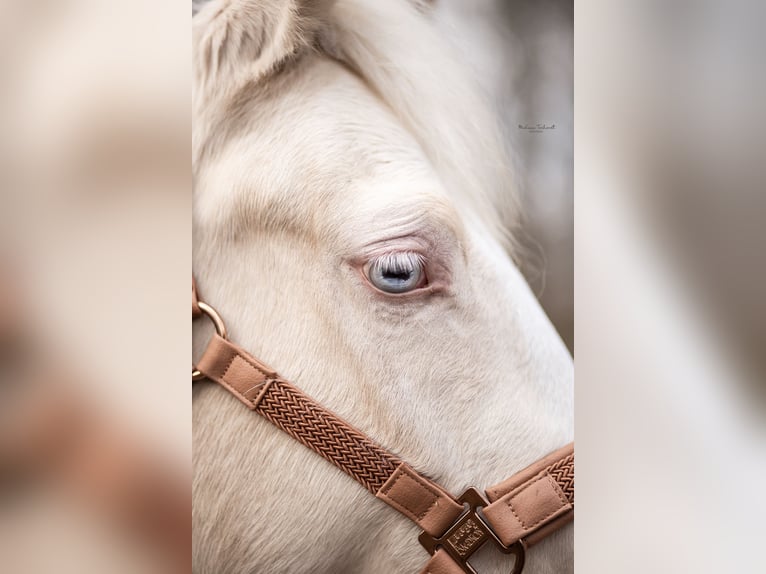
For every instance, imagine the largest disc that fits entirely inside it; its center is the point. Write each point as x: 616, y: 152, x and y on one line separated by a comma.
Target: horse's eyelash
x: 400, y: 262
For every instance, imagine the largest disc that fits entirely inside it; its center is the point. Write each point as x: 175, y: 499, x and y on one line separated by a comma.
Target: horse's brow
x: 423, y: 216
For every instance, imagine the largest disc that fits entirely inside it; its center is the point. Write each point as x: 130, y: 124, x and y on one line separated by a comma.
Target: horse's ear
x: 250, y: 38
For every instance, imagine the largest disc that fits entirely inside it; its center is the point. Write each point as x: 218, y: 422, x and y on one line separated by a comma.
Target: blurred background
x: 670, y: 214
x: 669, y: 269
x: 522, y: 54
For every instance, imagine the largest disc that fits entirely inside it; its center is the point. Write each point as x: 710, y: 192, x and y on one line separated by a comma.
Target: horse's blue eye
x: 396, y: 272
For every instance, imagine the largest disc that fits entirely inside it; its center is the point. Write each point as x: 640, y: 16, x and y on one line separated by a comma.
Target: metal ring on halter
x: 220, y: 328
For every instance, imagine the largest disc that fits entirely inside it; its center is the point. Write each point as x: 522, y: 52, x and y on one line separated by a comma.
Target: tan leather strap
x: 441, y: 563
x: 534, y: 501
x: 287, y: 407
x: 420, y: 500
x: 524, y: 508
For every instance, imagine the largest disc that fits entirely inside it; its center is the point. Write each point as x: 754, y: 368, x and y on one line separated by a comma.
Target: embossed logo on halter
x: 467, y: 538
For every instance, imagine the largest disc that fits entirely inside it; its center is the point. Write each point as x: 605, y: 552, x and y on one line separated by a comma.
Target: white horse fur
x: 326, y: 133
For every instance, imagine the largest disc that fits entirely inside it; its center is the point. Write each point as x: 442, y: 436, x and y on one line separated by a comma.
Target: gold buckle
x: 220, y: 328
x: 469, y: 533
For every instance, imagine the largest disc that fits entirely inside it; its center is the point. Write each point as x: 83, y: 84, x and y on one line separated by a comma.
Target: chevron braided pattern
x: 288, y: 408
x: 563, y: 473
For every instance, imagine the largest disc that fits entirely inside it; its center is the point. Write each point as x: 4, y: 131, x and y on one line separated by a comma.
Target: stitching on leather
x: 228, y: 365
x: 420, y: 483
x: 518, y: 490
x: 563, y: 465
x: 405, y: 472
x: 513, y: 510
x: 556, y: 489
x: 226, y: 383
x: 244, y: 358
x: 249, y: 362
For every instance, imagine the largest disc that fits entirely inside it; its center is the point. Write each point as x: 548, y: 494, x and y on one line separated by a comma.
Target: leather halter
x: 516, y: 514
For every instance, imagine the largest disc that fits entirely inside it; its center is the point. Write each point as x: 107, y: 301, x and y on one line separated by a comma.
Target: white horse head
x: 351, y: 207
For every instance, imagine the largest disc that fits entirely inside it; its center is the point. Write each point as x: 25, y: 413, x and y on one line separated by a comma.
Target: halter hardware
x: 469, y: 533
x: 220, y: 328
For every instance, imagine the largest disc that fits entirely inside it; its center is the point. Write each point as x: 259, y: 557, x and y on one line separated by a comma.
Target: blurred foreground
x: 96, y: 233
